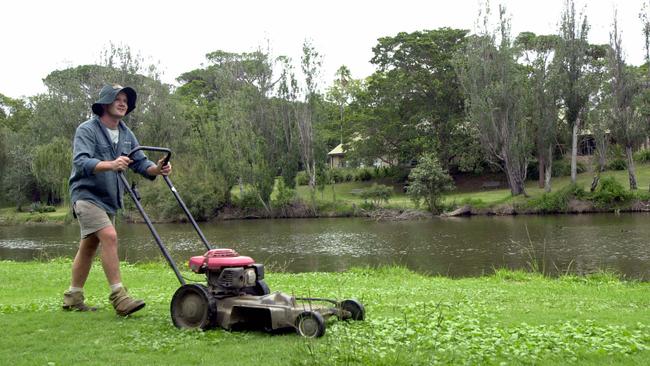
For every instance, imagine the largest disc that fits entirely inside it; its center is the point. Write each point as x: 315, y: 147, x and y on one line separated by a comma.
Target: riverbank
x: 511, y: 317
x: 343, y: 200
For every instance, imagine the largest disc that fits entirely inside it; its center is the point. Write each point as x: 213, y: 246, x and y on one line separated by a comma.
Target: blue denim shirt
x: 90, y: 146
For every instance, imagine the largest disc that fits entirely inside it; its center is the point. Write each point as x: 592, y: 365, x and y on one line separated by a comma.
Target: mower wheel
x: 310, y: 324
x: 355, y: 308
x: 260, y: 289
x: 192, y: 307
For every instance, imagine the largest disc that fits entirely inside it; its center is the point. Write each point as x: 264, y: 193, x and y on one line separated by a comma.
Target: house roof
x: 338, y: 150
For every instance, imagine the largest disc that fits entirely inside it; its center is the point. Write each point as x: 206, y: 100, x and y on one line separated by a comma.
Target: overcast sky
x: 39, y: 37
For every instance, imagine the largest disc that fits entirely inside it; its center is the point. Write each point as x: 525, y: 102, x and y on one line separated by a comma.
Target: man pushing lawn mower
x: 100, y: 150
x: 235, y: 294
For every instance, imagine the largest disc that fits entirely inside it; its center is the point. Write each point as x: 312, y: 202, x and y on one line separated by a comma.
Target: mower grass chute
x: 235, y: 295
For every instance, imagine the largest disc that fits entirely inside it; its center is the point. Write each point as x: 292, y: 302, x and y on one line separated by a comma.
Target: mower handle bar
x: 178, y: 199
x: 153, y: 148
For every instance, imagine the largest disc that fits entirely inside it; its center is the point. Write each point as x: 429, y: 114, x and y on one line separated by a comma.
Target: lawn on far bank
x: 411, y: 319
x: 10, y: 215
x: 349, y: 192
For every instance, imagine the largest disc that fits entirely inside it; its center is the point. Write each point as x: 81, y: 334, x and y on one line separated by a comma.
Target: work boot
x: 74, y: 301
x: 123, y: 303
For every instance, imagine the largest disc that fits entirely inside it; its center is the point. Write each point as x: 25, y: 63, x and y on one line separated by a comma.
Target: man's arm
x: 119, y: 164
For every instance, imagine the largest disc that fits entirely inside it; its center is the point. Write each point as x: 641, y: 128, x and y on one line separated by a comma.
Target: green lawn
x: 411, y: 319
x: 10, y: 215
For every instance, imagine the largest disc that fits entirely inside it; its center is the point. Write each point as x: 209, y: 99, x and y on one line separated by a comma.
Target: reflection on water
x: 453, y: 247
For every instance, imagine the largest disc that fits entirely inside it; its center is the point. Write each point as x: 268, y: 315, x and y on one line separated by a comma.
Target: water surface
x: 451, y: 246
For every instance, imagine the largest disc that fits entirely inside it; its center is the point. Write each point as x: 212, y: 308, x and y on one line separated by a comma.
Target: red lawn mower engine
x: 229, y: 273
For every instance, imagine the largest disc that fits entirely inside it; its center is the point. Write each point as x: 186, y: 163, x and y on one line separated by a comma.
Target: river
x: 456, y: 247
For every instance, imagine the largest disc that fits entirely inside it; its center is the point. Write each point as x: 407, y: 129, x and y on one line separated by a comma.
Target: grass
x: 412, y: 319
x: 9, y: 215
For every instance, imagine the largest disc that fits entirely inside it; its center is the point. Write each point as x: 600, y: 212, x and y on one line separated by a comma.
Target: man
x: 99, y: 152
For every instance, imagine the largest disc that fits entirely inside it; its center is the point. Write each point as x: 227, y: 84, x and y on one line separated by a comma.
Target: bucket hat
x: 108, y: 94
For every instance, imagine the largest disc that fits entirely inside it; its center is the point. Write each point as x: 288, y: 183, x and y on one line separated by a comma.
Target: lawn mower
x: 235, y: 295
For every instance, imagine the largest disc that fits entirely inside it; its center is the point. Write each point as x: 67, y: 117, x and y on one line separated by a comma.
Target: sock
x: 116, y: 286
x: 75, y: 289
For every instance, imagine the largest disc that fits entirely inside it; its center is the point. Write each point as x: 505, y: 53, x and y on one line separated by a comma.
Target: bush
x: 341, y: 175
x: 398, y: 173
x: 642, y: 156
x: 562, y: 168
x: 428, y: 181
x: 302, y: 179
x: 377, y: 194
x: 284, y: 194
x: 558, y: 201
x: 617, y: 164
x: 41, y: 208
x: 247, y: 200
x: 363, y: 174
x: 609, y: 192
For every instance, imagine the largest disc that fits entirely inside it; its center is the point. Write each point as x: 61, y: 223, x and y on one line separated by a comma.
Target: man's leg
x: 73, y: 299
x: 83, y: 260
x: 110, y: 261
x: 122, y: 302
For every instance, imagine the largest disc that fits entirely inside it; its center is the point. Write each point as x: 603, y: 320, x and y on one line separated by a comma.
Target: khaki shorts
x: 91, y: 218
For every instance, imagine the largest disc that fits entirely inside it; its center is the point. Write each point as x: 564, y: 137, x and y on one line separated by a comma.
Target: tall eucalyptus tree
x: 494, y: 84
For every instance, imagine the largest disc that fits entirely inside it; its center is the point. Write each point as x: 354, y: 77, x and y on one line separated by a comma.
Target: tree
x: 232, y: 121
x: 571, y: 62
x: 494, y: 86
x: 413, y: 102
x: 310, y: 63
x: 16, y: 181
x: 340, y: 93
x: 627, y: 124
x: 428, y: 181
x: 50, y: 162
x: 542, y: 98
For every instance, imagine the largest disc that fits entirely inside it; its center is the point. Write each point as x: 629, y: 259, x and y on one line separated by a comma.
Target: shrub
x: 642, y: 156
x: 302, y: 179
x: 247, y: 200
x: 284, y: 194
x: 562, y: 168
x: 377, y: 194
x: 617, y: 164
x: 428, y: 181
x: 337, y: 175
x: 609, y: 192
x: 558, y: 201
x: 41, y: 208
x: 363, y: 174
x: 398, y: 173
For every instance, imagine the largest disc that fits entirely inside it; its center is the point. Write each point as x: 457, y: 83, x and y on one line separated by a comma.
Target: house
x: 336, y: 159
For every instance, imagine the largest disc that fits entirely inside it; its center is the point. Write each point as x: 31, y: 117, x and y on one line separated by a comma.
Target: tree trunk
x: 540, y: 168
x: 601, y: 168
x: 630, y: 167
x: 514, y: 175
x: 574, y: 150
x: 548, y: 171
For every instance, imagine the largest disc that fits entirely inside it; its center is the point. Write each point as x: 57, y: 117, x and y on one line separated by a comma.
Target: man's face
x: 118, y: 108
